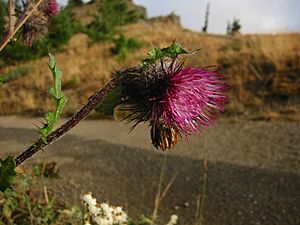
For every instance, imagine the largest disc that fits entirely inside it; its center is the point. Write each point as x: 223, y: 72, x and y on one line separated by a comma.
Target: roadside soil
x: 253, y: 169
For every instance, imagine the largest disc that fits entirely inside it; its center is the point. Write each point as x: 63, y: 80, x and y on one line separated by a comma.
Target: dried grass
x: 257, y: 67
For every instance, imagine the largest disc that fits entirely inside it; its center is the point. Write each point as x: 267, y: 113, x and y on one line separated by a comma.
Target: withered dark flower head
x: 37, y: 24
x: 164, y: 136
x: 35, y: 27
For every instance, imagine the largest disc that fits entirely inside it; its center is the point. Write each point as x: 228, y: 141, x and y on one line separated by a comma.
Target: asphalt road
x: 253, y: 169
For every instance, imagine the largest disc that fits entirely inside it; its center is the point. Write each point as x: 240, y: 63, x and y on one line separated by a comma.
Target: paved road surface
x: 253, y: 171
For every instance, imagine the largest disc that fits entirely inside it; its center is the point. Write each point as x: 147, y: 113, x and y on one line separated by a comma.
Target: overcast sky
x: 256, y: 16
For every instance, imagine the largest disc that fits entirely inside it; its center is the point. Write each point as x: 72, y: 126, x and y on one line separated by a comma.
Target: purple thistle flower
x: 52, y: 8
x: 176, y: 101
x: 191, y: 97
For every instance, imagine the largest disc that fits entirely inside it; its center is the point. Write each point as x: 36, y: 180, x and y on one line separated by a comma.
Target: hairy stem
x: 93, y: 101
x: 21, y: 20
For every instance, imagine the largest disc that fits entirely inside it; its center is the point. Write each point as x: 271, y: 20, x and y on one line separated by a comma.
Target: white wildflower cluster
x: 103, y: 214
x: 173, y: 220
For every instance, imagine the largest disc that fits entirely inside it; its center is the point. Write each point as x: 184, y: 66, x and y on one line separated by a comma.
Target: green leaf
x: 143, y: 220
x: 171, y: 51
x: 55, y: 91
x: 111, y: 100
x: 7, y: 173
x: 155, y: 53
x: 174, y: 50
x: 51, y: 118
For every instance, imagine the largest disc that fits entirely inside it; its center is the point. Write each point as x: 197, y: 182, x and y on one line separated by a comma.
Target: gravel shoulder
x: 253, y: 169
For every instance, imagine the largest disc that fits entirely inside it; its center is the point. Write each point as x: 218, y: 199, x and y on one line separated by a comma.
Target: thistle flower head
x: 37, y: 24
x: 175, y: 100
x: 191, y: 97
x: 52, y: 8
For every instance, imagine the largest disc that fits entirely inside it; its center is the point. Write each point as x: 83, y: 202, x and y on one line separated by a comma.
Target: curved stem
x: 22, y: 19
x: 93, y: 101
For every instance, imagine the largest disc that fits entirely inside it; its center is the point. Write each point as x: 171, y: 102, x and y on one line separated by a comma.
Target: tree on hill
x: 74, y: 3
x: 234, y: 27
x: 204, y: 28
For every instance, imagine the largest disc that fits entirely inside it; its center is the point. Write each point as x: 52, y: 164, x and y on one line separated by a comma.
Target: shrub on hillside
x: 14, y: 74
x: 123, y: 46
x: 111, y: 14
x: 61, y: 29
x: 74, y: 3
x: 234, y: 27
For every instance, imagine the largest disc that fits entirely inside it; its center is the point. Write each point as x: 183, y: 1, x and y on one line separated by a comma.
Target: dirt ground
x: 253, y: 169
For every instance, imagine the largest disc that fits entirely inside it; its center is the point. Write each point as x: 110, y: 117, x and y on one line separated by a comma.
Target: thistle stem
x: 22, y: 19
x: 93, y: 101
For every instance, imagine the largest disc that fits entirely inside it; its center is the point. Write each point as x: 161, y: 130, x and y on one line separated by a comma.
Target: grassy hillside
x: 263, y: 70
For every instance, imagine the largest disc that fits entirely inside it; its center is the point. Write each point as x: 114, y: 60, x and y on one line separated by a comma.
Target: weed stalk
x: 201, y: 197
x: 93, y: 101
x: 161, y: 194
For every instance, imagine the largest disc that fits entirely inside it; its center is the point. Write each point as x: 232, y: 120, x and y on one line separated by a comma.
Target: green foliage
x: 15, y: 51
x: 7, y: 173
x: 172, y: 51
x: 96, y: 31
x: 111, y: 100
x: 111, y: 14
x: 74, y: 3
x: 124, y: 45
x: 143, y: 220
x: 31, y: 203
x: 51, y: 118
x: 46, y: 169
x: 14, y: 74
x: 234, y: 27
x: 61, y: 29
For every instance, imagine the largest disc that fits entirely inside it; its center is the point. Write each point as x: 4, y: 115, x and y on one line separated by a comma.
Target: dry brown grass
x: 262, y: 69
x: 86, y: 12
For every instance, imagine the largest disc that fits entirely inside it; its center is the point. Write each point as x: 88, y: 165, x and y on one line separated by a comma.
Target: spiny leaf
x: 111, y: 100
x: 51, y: 118
x: 7, y: 173
x: 174, y: 50
x: 171, y: 51
x: 55, y: 91
x: 155, y: 53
